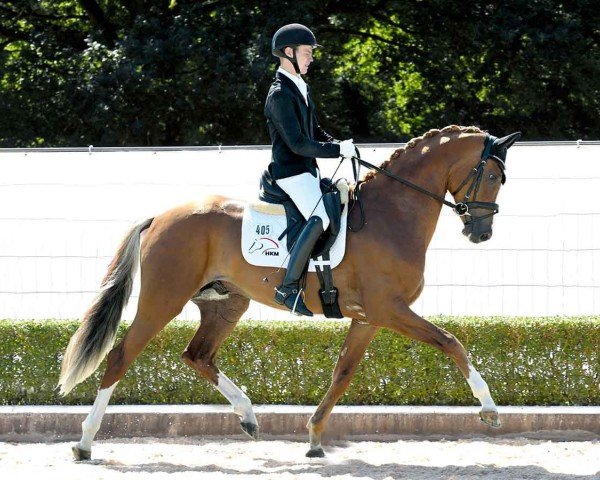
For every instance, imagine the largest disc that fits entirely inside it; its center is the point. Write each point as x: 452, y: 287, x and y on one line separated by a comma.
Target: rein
x: 461, y: 208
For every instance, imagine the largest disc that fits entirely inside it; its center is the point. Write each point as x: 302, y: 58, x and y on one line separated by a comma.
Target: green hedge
x: 526, y: 361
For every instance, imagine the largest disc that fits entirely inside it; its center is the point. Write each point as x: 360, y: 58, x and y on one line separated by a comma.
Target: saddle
x: 272, y: 194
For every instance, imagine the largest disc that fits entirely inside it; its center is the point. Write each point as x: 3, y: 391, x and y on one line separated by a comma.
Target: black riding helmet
x: 292, y: 35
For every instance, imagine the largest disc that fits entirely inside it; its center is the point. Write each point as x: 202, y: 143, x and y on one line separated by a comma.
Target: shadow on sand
x: 360, y: 469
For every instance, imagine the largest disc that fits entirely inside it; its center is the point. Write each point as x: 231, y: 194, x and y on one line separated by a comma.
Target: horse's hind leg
x: 90, y: 426
x: 403, y: 320
x: 357, y: 340
x: 156, y: 308
x: 118, y: 361
x: 219, y: 317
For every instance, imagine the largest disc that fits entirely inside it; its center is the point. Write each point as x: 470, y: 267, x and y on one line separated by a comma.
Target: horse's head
x: 475, y: 186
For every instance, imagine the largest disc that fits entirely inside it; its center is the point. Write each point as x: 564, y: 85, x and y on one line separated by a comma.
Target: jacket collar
x: 290, y: 84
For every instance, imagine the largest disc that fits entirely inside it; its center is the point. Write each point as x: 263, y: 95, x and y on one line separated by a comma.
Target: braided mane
x: 415, y: 141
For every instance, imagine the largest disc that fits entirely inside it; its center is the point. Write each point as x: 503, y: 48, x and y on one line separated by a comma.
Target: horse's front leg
x: 357, y: 340
x: 397, y: 316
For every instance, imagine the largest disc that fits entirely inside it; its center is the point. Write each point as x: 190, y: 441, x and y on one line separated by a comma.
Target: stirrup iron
x: 291, y: 297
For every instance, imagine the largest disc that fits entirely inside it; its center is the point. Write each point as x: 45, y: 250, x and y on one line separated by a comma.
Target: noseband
x: 462, y: 208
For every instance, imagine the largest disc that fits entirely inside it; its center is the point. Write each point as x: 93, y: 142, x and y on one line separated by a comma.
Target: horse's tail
x: 96, y: 334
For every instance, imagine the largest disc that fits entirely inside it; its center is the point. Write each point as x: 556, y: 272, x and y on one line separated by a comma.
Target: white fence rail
x: 63, y: 214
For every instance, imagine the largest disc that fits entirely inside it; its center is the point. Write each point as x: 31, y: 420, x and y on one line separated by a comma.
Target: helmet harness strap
x: 293, y: 58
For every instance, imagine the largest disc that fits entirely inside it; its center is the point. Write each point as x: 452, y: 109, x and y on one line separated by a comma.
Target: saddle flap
x: 333, y: 207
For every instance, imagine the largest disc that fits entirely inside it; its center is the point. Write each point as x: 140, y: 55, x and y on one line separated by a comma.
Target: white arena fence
x: 63, y: 213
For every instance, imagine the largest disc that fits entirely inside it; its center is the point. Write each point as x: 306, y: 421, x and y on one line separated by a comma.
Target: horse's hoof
x: 81, y: 454
x: 250, y: 429
x: 315, y: 453
x: 490, y: 417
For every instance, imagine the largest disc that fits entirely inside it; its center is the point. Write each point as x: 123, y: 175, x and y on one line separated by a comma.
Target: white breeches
x: 305, y: 191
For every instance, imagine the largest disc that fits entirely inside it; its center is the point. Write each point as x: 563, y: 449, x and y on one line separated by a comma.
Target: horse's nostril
x: 485, y: 236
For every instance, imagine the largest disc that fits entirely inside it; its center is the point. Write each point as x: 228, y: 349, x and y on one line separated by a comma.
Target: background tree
x: 160, y: 72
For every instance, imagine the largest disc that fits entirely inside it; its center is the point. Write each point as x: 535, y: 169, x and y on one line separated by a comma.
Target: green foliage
x: 545, y: 361
x: 179, y: 72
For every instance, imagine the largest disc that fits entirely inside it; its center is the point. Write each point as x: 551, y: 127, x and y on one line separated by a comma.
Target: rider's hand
x: 347, y: 148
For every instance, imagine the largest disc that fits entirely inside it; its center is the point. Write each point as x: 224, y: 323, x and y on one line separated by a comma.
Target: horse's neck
x: 404, y: 209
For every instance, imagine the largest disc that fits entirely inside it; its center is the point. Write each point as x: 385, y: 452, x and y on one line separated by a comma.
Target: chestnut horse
x: 193, y: 252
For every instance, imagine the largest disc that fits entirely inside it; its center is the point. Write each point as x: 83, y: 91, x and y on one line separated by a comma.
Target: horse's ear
x: 505, y: 143
x: 501, y: 145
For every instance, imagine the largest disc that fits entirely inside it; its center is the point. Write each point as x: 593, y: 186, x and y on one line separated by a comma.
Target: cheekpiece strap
x: 487, y: 149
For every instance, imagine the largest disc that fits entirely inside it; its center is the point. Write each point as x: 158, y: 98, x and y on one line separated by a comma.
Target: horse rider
x: 297, y: 139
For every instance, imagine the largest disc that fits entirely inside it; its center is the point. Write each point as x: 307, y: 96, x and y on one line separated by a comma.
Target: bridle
x: 462, y: 209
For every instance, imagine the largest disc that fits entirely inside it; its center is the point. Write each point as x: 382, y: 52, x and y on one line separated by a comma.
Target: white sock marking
x: 91, y: 424
x: 240, y: 402
x: 480, y: 389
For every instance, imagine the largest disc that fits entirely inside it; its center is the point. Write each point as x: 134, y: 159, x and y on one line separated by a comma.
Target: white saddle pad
x: 261, y: 229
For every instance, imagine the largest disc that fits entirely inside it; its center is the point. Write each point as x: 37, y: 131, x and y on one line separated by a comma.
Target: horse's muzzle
x: 477, y: 235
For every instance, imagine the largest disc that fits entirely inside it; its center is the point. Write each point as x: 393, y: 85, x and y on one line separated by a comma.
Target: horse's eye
x: 493, y: 177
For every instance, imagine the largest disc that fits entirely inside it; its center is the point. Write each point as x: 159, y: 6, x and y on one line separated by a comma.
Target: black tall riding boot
x: 289, y: 293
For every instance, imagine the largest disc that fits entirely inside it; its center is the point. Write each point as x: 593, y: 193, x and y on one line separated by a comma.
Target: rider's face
x: 304, y: 57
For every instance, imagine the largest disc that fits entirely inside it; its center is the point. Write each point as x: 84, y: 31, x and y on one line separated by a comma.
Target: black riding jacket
x: 295, y: 133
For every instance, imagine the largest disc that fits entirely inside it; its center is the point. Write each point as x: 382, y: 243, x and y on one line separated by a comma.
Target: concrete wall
x: 37, y: 423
